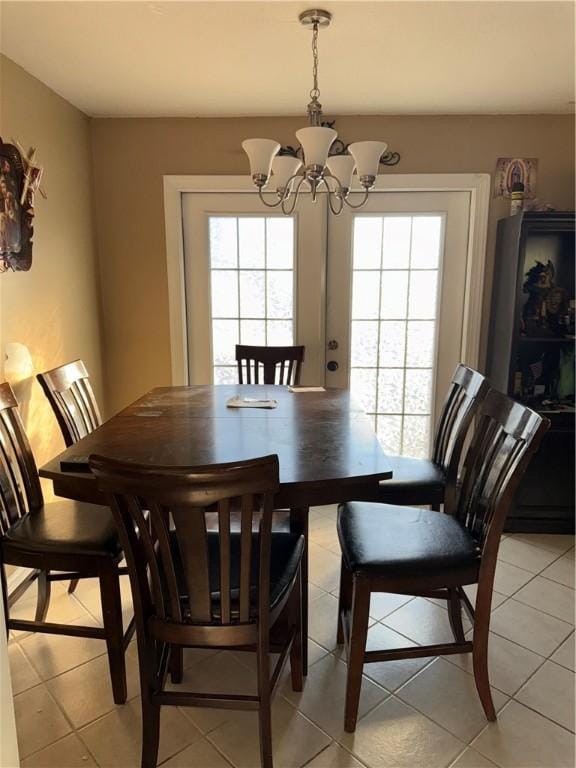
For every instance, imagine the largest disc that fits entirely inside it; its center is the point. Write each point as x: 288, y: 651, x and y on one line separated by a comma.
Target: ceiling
x: 253, y: 58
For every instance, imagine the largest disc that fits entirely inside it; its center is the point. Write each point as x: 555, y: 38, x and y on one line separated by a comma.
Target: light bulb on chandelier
x: 312, y: 165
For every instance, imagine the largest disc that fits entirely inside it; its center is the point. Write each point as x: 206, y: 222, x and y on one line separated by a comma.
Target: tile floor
x: 422, y: 713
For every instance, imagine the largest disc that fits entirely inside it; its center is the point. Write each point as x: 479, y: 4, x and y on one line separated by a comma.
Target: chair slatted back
x: 506, y: 436
x: 70, y: 394
x: 468, y: 389
x: 20, y: 490
x: 269, y: 365
x: 171, y: 556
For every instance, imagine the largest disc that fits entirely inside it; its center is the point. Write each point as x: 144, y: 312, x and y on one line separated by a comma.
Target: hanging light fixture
x: 321, y: 158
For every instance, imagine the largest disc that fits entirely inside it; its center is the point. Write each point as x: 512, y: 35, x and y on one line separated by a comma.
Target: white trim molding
x: 477, y: 184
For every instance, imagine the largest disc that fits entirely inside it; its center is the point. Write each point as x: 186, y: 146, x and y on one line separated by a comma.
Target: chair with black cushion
x: 425, y: 481
x: 412, y: 551
x: 76, y: 539
x: 269, y: 365
x: 194, y: 587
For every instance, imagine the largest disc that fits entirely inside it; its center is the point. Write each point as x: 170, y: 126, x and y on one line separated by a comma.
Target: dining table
x: 327, y: 449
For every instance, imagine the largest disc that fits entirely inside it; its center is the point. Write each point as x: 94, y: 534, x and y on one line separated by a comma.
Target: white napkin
x: 306, y: 389
x: 250, y: 402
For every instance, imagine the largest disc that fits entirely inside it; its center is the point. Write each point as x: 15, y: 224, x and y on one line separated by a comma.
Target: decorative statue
x: 546, y: 302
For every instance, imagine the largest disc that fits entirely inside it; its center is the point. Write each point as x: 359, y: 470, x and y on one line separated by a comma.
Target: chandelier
x: 321, y: 160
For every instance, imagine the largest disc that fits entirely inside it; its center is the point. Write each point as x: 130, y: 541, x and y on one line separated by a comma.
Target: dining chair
x: 269, y: 365
x: 426, y: 481
x: 421, y: 552
x: 71, y: 396
x: 193, y: 587
x: 74, y: 539
x: 72, y: 399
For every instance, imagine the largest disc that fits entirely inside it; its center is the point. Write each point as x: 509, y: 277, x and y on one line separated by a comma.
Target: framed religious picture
x: 19, y: 179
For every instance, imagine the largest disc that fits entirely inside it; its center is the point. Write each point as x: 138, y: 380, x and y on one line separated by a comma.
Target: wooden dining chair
x: 406, y: 550
x: 77, y: 540
x: 193, y: 587
x: 426, y: 481
x: 269, y: 365
x: 72, y: 399
x: 71, y: 396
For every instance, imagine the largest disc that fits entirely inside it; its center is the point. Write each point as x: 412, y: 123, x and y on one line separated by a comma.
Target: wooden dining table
x: 326, y: 445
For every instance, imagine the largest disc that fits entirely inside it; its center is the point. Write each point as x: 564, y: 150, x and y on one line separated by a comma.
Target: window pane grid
x: 394, y: 309
x: 252, y: 286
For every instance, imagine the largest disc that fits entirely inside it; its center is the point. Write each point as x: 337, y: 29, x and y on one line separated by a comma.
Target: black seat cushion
x: 386, y: 540
x: 286, y: 551
x: 67, y: 527
x: 413, y: 481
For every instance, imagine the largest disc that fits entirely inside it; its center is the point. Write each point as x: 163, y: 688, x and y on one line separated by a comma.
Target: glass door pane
x: 252, y: 286
x: 395, y: 266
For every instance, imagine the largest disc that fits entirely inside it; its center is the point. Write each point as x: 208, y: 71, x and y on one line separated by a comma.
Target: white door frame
x: 477, y: 184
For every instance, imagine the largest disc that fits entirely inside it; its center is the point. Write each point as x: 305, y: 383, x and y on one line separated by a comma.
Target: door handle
x: 332, y: 365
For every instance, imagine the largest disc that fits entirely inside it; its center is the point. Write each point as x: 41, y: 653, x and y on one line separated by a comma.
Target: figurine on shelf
x: 546, y: 303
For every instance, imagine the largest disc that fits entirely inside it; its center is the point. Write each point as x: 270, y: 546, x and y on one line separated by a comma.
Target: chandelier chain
x: 315, y: 92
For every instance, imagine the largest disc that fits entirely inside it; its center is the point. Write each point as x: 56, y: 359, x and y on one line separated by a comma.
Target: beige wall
x: 132, y: 155
x: 54, y: 308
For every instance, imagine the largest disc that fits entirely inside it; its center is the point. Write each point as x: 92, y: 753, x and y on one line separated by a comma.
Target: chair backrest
x: 468, y: 389
x: 20, y: 490
x: 269, y: 365
x: 505, y: 437
x: 70, y: 394
x: 169, y: 557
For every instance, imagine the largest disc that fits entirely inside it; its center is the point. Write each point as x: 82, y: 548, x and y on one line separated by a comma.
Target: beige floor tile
x: 553, y: 542
x: 324, y: 694
x: 384, y: 603
x: 471, y: 589
x: 526, y: 556
x: 315, y: 592
x: 200, y: 754
x: 509, y: 578
x: 22, y: 673
x: 295, y: 739
x: 389, y: 674
x: 327, y: 510
x: 39, y: 721
x: 334, y: 757
x: 522, y: 738
x: 116, y: 739
x: 85, y: 692
x: 422, y: 621
x: 472, y: 759
x: 322, y: 621
x: 52, y: 655
x: 324, y: 568
x: 396, y: 736
x: 69, y: 752
x: 565, y: 654
x: 562, y: 570
x: 324, y: 533
x: 551, y: 693
x: 549, y: 597
x: 447, y: 695
x: 221, y: 673
x: 194, y: 656
x: 529, y: 627
x: 509, y: 664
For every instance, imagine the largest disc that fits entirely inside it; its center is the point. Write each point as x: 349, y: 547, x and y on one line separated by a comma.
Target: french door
x: 377, y: 296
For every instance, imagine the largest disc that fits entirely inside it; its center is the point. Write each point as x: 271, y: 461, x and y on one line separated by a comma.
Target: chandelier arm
x: 336, y: 210
x: 361, y: 203
x: 287, y: 211
x: 340, y: 189
x: 270, y: 205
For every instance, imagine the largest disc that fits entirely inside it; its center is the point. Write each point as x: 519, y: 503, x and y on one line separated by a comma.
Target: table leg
x: 299, y: 524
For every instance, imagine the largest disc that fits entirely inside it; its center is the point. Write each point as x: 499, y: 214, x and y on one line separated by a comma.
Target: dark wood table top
x: 326, y: 446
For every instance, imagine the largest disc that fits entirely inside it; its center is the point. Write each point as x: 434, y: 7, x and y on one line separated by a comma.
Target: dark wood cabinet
x: 531, y: 356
